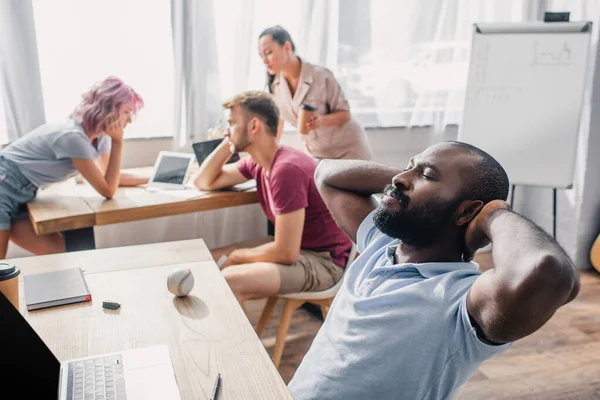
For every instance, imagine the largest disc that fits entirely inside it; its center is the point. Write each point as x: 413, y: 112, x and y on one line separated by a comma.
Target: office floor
x: 560, y: 361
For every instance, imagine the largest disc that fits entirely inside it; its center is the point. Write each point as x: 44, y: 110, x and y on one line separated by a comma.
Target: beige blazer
x: 318, y: 87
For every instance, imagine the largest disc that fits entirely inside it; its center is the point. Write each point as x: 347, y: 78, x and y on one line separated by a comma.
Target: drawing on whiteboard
x: 497, y: 94
x: 551, y: 55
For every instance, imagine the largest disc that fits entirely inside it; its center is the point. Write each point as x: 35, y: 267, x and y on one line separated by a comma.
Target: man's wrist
x: 491, y: 217
x: 233, y: 258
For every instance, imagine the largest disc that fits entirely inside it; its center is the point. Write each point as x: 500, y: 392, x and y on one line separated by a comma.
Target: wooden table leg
x: 79, y: 239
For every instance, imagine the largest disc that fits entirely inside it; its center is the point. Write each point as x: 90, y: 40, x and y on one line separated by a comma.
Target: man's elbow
x: 563, y: 277
x: 322, y: 172
x: 553, y: 277
x: 202, y: 184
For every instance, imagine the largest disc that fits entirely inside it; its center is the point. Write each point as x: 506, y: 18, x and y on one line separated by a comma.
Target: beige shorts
x: 312, y: 272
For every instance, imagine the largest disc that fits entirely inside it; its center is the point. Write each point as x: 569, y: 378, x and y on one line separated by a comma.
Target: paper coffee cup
x: 9, y: 282
x: 304, y: 115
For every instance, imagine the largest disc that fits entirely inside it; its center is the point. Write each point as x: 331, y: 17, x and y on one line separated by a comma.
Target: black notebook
x: 55, y: 288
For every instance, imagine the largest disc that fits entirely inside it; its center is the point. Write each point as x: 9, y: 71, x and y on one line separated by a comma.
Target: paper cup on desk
x: 9, y: 282
x: 304, y: 115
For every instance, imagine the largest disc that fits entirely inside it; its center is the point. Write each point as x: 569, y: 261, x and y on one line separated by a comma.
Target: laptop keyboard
x: 96, y: 379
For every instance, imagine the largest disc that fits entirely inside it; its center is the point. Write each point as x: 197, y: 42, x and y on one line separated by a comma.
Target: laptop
x: 204, y: 148
x: 171, y: 170
x: 35, y: 373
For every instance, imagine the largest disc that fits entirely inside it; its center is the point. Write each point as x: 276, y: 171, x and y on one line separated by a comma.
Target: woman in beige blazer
x: 333, y: 133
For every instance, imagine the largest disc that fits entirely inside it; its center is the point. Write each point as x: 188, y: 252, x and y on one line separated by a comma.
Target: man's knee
x: 234, y: 278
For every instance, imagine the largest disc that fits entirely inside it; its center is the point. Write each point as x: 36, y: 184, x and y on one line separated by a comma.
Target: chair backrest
x: 351, y: 255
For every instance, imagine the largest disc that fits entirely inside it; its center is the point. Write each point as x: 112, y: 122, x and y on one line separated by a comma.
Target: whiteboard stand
x: 524, y: 99
x: 512, y: 202
x: 554, y: 213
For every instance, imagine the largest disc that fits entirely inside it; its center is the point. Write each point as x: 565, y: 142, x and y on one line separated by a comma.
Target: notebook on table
x: 56, y: 288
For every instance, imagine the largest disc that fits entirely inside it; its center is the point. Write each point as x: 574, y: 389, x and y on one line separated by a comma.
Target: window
x: 83, y: 42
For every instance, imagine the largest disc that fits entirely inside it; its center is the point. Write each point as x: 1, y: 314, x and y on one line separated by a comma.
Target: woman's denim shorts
x: 15, y: 192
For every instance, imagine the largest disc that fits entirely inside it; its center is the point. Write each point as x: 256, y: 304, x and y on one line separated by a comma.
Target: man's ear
x: 467, y: 210
x: 253, y: 125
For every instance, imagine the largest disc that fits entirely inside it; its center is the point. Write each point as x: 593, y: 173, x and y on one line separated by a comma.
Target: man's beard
x: 242, y: 144
x: 420, y: 226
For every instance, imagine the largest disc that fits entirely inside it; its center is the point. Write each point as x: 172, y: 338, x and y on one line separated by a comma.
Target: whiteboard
x: 524, y: 98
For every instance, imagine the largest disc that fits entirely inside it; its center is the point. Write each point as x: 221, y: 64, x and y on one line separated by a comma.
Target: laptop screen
x: 25, y: 360
x: 203, y: 150
x: 171, y: 169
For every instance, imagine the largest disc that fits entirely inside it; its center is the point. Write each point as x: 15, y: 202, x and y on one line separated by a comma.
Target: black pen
x: 216, y: 388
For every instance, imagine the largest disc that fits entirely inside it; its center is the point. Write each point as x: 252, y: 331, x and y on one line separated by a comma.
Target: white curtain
x: 20, y: 83
x: 197, y: 94
x: 319, y: 39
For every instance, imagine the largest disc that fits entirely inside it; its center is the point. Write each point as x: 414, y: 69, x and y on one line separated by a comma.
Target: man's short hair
x: 259, y: 104
x: 490, y: 181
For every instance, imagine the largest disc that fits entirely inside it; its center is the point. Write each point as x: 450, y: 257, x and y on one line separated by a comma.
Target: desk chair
x: 294, y: 301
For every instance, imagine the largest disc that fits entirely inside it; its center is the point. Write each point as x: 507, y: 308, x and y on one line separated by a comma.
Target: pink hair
x: 101, y: 106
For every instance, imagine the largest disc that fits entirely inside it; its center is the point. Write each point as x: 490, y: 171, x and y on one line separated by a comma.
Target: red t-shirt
x: 290, y: 187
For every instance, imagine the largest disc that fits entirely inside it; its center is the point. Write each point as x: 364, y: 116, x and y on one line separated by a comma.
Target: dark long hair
x: 280, y: 35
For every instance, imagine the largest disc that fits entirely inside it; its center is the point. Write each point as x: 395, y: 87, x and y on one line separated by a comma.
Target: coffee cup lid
x: 308, y: 107
x: 8, y: 271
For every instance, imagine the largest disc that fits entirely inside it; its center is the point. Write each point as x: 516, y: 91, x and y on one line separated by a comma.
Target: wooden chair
x: 292, y: 302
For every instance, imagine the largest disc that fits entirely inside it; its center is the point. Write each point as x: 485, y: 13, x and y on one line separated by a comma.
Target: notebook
x: 55, y: 288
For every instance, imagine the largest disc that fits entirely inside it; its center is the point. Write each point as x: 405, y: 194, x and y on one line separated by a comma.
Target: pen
x: 216, y: 387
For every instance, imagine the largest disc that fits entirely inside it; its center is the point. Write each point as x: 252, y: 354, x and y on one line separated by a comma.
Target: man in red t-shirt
x: 309, y: 250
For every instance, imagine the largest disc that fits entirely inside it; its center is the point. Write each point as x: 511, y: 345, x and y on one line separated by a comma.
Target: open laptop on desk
x: 170, y: 170
x: 204, y: 148
x: 31, y: 369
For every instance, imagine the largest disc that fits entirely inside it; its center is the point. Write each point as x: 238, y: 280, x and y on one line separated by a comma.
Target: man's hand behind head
x: 477, y: 233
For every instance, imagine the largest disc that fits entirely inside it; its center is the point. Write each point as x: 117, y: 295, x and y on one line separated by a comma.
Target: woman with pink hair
x: 89, y: 142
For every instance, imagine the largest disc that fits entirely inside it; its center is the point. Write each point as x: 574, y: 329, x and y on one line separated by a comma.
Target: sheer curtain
x: 21, y: 92
x: 197, y: 92
x: 319, y: 39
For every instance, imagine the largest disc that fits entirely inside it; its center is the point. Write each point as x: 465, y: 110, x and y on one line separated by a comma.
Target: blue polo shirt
x: 394, y: 331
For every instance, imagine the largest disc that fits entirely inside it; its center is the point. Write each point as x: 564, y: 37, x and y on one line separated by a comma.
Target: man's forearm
x: 212, y: 166
x: 268, y: 252
x: 363, y: 177
x: 523, y: 251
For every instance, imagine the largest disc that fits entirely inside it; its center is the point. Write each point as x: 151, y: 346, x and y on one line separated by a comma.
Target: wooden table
x: 75, y: 209
x: 206, y: 332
